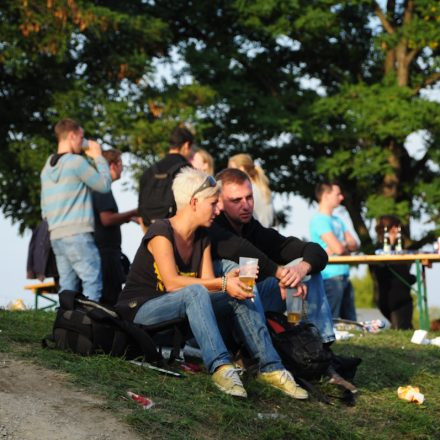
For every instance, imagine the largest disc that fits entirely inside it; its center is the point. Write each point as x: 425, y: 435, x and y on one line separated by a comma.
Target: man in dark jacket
x: 156, y: 200
x: 236, y: 233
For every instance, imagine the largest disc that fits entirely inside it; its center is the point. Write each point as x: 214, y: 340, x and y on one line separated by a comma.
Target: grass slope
x: 192, y: 408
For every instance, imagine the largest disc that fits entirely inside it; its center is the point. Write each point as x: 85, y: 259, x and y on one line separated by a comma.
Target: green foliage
x: 183, y: 406
x: 305, y: 87
x: 309, y: 88
x: 86, y: 61
x: 378, y: 204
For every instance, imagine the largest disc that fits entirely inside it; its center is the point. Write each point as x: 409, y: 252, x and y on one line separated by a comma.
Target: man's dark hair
x: 112, y: 155
x: 324, y: 186
x: 179, y: 136
x: 232, y: 175
x: 64, y: 127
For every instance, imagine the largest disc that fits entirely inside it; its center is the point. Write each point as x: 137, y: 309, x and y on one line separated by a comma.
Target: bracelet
x: 224, y: 283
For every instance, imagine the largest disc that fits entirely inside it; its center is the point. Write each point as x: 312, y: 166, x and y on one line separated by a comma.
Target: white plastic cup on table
x: 248, y: 271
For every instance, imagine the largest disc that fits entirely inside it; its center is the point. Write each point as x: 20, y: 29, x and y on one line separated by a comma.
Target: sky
x: 14, y: 255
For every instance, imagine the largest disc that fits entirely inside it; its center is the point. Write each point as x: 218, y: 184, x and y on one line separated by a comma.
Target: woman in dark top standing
x: 172, y: 277
x: 394, y: 300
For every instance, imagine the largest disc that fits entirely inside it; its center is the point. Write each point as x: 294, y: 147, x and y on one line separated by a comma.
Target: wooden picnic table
x: 40, y: 290
x: 421, y: 260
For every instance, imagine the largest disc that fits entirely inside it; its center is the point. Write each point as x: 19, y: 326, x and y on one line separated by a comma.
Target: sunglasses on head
x: 209, y: 182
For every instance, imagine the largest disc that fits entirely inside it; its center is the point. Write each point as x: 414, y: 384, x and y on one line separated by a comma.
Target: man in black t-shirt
x: 108, y: 223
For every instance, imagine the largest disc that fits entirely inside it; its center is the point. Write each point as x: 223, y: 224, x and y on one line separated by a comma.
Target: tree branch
x: 431, y: 79
x: 428, y: 238
x: 411, y: 55
x: 383, y: 19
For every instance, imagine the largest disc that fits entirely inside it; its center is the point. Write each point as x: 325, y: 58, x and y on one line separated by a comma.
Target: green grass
x: 192, y: 408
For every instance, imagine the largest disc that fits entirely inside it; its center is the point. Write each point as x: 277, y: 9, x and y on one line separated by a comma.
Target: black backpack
x: 86, y: 327
x: 299, y: 346
x: 156, y: 199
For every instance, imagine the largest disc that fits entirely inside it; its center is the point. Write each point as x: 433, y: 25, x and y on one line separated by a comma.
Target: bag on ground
x: 300, y: 346
x: 86, y: 327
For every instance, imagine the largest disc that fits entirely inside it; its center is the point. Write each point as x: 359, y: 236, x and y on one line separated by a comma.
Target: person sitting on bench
x: 172, y: 277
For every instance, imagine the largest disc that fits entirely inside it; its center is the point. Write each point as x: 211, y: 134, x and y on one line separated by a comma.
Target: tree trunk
x: 391, y: 180
x: 354, y: 210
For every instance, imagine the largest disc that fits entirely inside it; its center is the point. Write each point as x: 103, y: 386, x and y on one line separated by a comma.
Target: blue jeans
x: 340, y: 295
x: 79, y: 264
x: 195, y: 303
x: 269, y: 299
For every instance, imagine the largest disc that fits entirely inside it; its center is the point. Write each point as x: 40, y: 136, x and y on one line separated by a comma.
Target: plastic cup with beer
x: 248, y: 271
x: 294, y: 306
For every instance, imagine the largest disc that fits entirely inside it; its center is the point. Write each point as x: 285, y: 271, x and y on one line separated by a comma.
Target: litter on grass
x: 419, y: 337
x: 411, y: 394
x: 374, y: 325
x: 143, y: 401
x: 342, y: 335
x: 16, y: 306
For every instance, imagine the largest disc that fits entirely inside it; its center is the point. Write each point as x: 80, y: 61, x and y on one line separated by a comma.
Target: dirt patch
x: 39, y: 404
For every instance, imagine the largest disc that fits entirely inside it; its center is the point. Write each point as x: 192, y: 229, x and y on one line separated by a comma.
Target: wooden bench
x: 41, y: 290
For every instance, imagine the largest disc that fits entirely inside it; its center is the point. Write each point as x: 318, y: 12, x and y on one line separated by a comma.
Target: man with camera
x: 67, y: 180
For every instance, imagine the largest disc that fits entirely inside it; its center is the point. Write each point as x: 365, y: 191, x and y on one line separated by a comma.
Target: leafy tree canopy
x: 92, y: 61
x: 323, y: 88
x: 310, y: 87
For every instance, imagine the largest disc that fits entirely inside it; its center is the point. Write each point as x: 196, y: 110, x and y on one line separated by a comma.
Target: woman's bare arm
x: 163, y: 254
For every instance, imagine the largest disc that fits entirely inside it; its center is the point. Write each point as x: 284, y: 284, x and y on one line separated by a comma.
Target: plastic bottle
x: 386, y: 241
x: 399, y: 240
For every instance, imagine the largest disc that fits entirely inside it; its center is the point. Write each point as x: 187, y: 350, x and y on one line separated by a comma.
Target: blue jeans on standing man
x: 340, y: 295
x: 79, y: 264
x: 198, y: 305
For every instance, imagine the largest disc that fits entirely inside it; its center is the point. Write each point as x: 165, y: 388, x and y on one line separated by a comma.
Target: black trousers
x: 113, y: 275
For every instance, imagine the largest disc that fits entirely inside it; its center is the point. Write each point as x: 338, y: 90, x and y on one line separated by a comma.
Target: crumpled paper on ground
x: 16, y: 305
x: 411, y: 394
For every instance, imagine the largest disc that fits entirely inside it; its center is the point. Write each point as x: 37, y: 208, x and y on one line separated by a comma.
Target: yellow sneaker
x: 284, y: 381
x: 226, y: 379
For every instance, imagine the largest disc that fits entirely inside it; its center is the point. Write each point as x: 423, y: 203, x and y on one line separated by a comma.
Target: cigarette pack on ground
x: 143, y: 401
